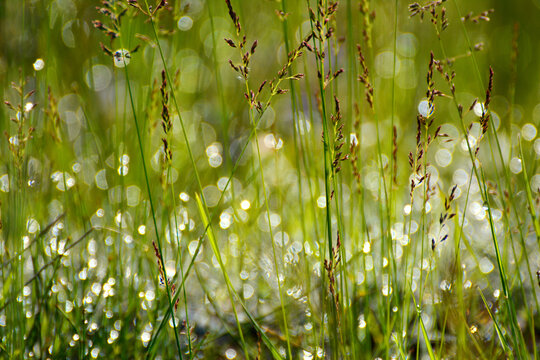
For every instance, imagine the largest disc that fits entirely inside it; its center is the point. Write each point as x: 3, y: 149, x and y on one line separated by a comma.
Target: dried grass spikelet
x: 161, y: 268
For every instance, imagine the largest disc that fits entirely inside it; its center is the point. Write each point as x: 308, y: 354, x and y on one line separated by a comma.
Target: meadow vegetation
x: 228, y: 179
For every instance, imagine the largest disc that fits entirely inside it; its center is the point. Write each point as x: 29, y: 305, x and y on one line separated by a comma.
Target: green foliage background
x: 106, y: 297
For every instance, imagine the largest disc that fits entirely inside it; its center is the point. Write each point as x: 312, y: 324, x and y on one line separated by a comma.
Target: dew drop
x: 142, y: 229
x: 121, y: 58
x: 528, y: 131
x: 485, y: 265
x: 443, y: 157
x: 99, y: 77
x: 361, y: 322
x: 248, y: 291
x: 425, y: 108
x: 407, y: 209
x: 39, y: 64
x: 479, y: 109
x: 185, y: 23
x: 145, y: 337
x: 230, y: 354
x: 515, y: 165
x: 535, y: 183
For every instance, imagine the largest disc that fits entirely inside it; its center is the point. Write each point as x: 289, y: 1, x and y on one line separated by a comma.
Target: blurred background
x: 74, y: 163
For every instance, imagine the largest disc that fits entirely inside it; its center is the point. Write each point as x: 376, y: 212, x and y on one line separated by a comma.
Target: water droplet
x: 28, y: 107
x: 145, y: 337
x: 384, y: 64
x: 32, y: 226
x: 101, y: 179
x: 99, y: 77
x: 445, y: 285
x: 273, y: 142
x: 133, y: 195
x: 213, y: 152
x: 515, y: 165
x: 230, y: 354
x: 361, y: 322
x: 142, y: 229
x: 39, y: 64
x: 407, y: 45
x: 407, y: 209
x: 248, y: 291
x: 150, y: 295
x: 485, y: 265
x: 472, y: 143
x: 479, y: 109
x: 225, y: 220
x: 69, y: 306
x: 369, y: 263
x: 211, y: 195
x: 83, y: 274
x: 386, y: 290
x: 185, y: 23
x: 14, y: 140
x: 353, y: 139
x: 170, y: 268
x: 460, y: 177
x: 245, y: 204
x: 528, y: 131
x: 192, y: 247
x: 123, y: 170
x: 124, y: 159
x: 535, y: 183
x: 443, y: 157
x: 425, y: 108
x: 121, y: 58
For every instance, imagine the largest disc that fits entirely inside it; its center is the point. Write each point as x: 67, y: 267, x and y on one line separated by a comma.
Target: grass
x: 287, y: 180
